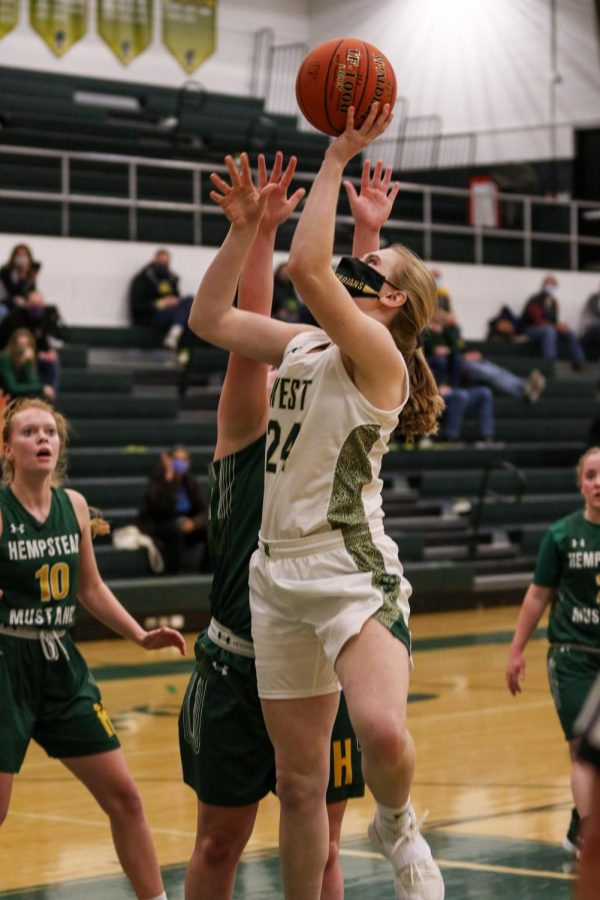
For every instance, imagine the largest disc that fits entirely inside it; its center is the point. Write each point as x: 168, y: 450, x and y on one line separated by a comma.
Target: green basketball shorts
x: 571, y: 673
x: 54, y: 701
x: 226, y: 754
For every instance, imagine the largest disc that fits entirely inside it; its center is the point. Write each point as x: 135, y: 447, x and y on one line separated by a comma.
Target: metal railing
x: 431, y: 207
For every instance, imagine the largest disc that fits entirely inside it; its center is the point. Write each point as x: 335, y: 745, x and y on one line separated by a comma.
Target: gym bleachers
x: 459, y: 548
x: 51, y: 111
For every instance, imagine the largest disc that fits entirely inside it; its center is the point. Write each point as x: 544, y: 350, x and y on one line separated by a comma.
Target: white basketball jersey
x: 325, y: 443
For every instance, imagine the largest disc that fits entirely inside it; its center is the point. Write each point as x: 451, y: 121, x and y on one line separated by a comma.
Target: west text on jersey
x: 57, y: 545
x: 289, y: 393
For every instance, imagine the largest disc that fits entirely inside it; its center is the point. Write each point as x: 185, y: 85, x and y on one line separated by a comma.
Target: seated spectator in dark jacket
x: 154, y: 300
x: 589, y: 326
x: 44, y: 323
x: 17, y: 278
x: 174, y: 510
x: 445, y: 309
x: 19, y: 375
x: 453, y: 366
x: 541, y: 323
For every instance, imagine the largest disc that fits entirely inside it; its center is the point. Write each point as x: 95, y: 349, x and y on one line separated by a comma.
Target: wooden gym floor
x: 492, y: 771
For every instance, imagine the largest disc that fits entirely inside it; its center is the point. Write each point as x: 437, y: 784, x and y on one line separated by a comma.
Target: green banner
x: 126, y: 26
x: 60, y: 23
x: 189, y: 30
x: 9, y: 15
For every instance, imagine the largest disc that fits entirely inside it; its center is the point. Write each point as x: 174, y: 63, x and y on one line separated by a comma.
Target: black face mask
x: 359, y: 279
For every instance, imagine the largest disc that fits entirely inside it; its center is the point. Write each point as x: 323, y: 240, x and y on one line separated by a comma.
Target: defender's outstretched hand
x: 164, y: 637
x: 279, y: 206
x: 352, y: 140
x: 241, y: 201
x: 373, y: 206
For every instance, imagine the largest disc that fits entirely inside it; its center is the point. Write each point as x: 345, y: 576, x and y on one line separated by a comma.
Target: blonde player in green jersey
x: 47, y: 693
x: 328, y: 597
x: 567, y: 576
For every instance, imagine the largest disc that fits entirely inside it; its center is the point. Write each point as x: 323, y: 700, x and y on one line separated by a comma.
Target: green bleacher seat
x: 467, y: 483
x: 79, y: 380
x: 138, y: 336
x: 73, y: 357
x: 111, y: 406
x: 118, y: 462
x: 147, y: 433
x: 118, y: 492
x: 544, y: 508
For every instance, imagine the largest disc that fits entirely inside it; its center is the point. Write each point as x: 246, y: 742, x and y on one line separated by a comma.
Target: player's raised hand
x: 372, y: 207
x: 242, y: 202
x: 352, y: 140
x: 279, y: 206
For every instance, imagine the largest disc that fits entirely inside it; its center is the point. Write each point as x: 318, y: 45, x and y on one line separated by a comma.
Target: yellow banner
x: 9, y: 15
x: 189, y: 30
x: 126, y: 26
x: 60, y: 23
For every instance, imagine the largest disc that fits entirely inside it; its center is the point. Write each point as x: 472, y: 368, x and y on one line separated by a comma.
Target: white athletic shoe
x: 417, y: 876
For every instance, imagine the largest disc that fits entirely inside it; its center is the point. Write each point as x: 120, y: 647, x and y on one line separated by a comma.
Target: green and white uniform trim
x: 325, y: 444
x: 235, y: 503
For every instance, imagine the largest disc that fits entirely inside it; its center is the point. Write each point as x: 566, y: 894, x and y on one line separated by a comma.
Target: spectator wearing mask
x: 174, y: 509
x: 589, y: 326
x: 541, y: 323
x: 17, y: 278
x: 154, y: 299
x: 44, y: 322
x: 18, y: 368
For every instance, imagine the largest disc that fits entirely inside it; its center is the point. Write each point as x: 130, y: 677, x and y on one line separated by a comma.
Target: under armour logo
x: 224, y: 670
x: 577, y: 542
x: 14, y: 529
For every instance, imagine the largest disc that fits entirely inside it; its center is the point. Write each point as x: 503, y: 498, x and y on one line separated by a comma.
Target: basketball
x: 341, y: 73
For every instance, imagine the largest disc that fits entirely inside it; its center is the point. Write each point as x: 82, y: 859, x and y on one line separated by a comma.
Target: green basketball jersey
x: 39, y: 563
x: 569, y: 560
x: 235, y: 508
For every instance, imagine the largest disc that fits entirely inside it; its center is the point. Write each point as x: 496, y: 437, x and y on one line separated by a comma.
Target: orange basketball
x: 341, y: 73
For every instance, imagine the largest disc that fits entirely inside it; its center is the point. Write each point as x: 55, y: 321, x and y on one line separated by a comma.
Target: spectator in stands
x: 154, y: 299
x: 461, y: 368
x: 440, y: 346
x: 174, y: 509
x: 461, y: 402
x: 19, y: 375
x: 17, y: 278
x: 445, y: 310
x: 589, y: 326
x: 504, y: 326
x: 286, y: 305
x: 541, y: 323
x: 44, y: 322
